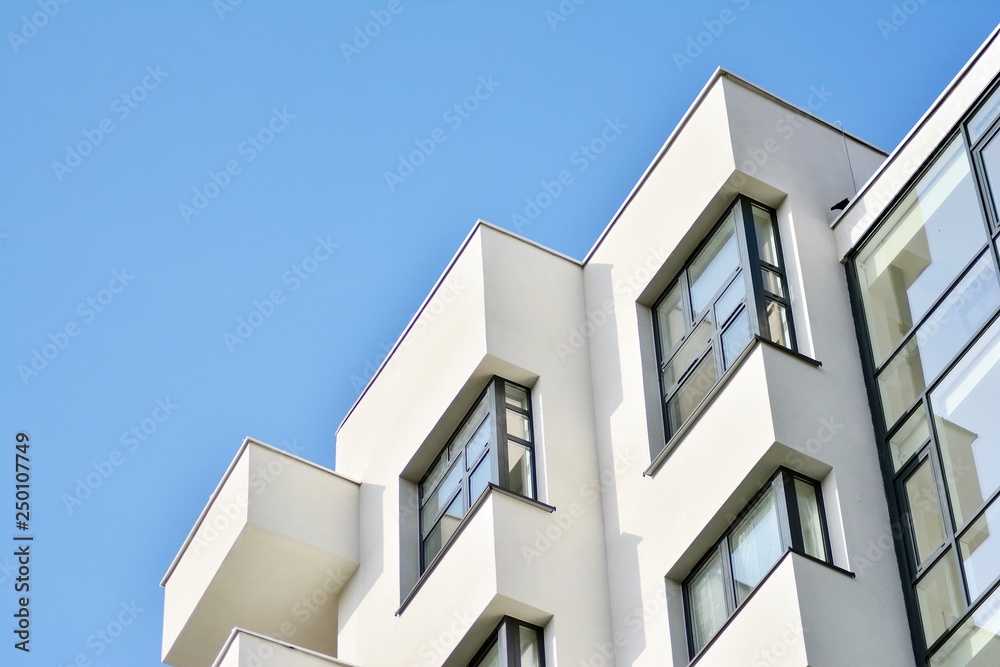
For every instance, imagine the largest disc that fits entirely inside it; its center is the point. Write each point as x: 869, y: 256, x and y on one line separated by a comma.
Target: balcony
x: 249, y: 649
x: 270, y: 552
x: 801, y: 614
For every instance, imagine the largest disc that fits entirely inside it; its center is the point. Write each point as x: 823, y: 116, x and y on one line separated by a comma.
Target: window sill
x: 706, y: 402
x: 490, y: 489
x: 760, y: 584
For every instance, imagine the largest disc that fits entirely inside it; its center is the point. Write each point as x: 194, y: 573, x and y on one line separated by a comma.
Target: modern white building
x: 755, y: 425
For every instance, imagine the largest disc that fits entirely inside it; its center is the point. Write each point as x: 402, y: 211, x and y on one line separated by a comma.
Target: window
x: 927, y: 292
x: 786, y: 514
x: 493, y: 445
x: 512, y: 644
x: 732, y: 289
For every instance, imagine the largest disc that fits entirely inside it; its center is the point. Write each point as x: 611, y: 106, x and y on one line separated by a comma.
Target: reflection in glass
x: 910, y: 437
x: 693, y: 390
x: 810, y: 519
x: 736, y: 338
x: 519, y: 467
x: 983, y: 118
x: 926, y: 521
x: 952, y: 324
x: 707, y: 601
x: 714, y: 265
x: 980, y: 546
x: 531, y: 654
x: 939, y: 597
x: 480, y: 478
x: 688, y: 353
x: 976, y: 643
x: 991, y: 164
x: 767, y: 247
x: 964, y: 406
x: 756, y: 545
x: 921, y: 248
x: 670, y: 320
x: 777, y: 322
x: 443, y: 530
x: 731, y: 299
x: 492, y: 657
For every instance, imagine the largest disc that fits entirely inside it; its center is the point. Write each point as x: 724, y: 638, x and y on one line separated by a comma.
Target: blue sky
x: 216, y: 217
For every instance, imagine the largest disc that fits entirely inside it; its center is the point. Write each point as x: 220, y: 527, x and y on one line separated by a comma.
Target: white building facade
x: 747, y: 429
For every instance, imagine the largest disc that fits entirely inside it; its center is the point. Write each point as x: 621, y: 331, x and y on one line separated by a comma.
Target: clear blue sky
x: 168, y: 166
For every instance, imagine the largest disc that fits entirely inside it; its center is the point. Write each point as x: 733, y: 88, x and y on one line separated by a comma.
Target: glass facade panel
x: 980, y: 549
x: 921, y: 248
x: 531, y: 654
x: 810, y: 519
x: 671, y: 320
x: 991, y: 165
x: 756, y: 545
x: 926, y: 522
x: 443, y: 529
x: 976, y: 643
x: 985, y: 117
x: 731, y: 299
x: 777, y: 324
x: 939, y: 339
x: 939, y: 597
x: 772, y: 283
x: 714, y: 265
x: 736, y: 338
x: 964, y: 409
x: 480, y: 478
x: 707, y: 602
x: 519, y: 467
x: 518, y: 425
x: 689, y: 353
x: 767, y: 244
x: 693, y: 390
x: 910, y: 437
x: 516, y: 396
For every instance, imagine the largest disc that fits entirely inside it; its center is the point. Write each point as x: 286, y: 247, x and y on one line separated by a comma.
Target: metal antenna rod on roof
x: 850, y: 166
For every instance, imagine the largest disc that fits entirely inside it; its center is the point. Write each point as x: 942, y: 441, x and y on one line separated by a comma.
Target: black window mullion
x: 727, y: 575
x: 788, y: 512
x: 510, y: 641
x: 500, y: 471
x: 751, y: 260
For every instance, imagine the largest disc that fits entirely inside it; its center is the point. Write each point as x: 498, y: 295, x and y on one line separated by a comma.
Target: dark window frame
x: 499, y: 474
x: 507, y: 635
x: 782, y: 485
x: 910, y: 570
x: 755, y: 301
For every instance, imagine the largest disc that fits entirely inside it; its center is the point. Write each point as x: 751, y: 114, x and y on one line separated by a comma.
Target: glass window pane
x: 707, y: 601
x: 980, y: 549
x: 437, y: 499
x: 767, y: 247
x: 810, y: 520
x: 479, y: 442
x: 480, y: 477
x: 518, y: 425
x: 777, y: 323
x: 964, y: 409
x: 920, y: 249
x: 772, y: 283
x: 910, y: 437
x: 734, y: 296
x: 531, y: 655
x: 492, y: 657
x: 442, y: 532
x: 471, y: 427
x: 516, y: 396
x: 756, y: 545
x: 939, y: 597
x: 736, y: 338
x: 688, y: 353
x: 670, y: 320
x: 991, y: 162
x: 437, y: 471
x: 692, y: 391
x: 952, y: 324
x: 983, y: 118
x: 519, y: 467
x: 926, y: 521
x: 714, y: 265
x: 976, y: 643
